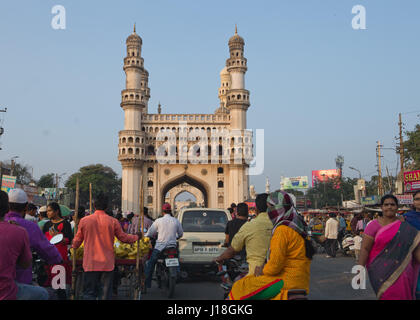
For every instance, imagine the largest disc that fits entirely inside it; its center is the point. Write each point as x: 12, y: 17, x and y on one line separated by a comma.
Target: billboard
x: 404, y: 199
x: 324, y: 175
x: 294, y: 183
x: 412, y: 181
x: 7, y: 183
x: 372, y: 200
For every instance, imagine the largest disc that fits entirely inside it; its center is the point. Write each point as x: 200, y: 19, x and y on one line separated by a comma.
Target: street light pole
x: 12, y: 169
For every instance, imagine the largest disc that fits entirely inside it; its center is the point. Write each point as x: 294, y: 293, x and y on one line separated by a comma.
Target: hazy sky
x: 317, y: 87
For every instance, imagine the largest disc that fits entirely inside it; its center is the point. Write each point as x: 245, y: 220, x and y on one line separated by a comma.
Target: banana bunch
x: 79, y: 252
x: 129, y: 251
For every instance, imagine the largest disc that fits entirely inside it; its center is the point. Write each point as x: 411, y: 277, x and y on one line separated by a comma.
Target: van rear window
x: 204, y: 221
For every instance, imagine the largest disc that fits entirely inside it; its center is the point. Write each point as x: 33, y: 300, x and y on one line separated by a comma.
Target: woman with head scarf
x: 287, y: 270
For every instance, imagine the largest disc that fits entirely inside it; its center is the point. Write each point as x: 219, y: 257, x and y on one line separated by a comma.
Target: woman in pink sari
x: 391, y: 253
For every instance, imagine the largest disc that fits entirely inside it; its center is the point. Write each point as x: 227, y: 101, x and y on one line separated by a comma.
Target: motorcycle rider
x: 168, y: 230
x: 255, y: 235
x: 18, y: 202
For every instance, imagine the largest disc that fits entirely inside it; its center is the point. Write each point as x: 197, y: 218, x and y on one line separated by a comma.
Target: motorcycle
x: 39, y: 275
x: 348, y: 245
x: 230, y: 271
x: 167, y: 267
x: 318, y: 241
x: 234, y: 269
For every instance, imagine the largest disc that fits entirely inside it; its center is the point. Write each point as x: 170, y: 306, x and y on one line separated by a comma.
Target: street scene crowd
x: 276, y: 242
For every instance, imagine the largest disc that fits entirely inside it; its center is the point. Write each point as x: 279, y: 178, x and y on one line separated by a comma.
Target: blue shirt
x: 413, y: 218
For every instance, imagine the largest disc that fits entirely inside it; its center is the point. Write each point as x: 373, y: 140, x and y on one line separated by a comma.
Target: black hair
x: 389, y: 196
x: 17, y: 207
x: 43, y: 214
x: 233, y: 205
x: 118, y: 216
x: 81, y: 212
x: 4, y: 203
x: 101, y: 202
x: 414, y: 195
x: 261, y: 202
x: 56, y: 207
x: 146, y: 213
x: 243, y: 209
x: 31, y: 207
x: 130, y: 216
x: 230, y: 210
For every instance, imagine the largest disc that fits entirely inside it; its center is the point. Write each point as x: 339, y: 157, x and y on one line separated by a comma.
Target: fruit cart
x: 130, y: 282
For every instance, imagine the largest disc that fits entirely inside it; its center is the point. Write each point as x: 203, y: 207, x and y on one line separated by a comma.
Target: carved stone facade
x: 219, y: 182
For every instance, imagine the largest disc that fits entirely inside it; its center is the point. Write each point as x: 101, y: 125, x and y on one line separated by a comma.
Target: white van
x: 204, y: 235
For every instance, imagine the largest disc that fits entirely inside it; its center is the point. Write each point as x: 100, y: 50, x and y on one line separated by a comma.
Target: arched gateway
x: 209, y: 152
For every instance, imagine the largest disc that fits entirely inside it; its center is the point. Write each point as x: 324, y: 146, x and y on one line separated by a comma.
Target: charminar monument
x: 205, y: 154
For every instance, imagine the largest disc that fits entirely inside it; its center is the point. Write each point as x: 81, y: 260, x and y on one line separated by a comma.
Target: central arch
x: 187, y: 179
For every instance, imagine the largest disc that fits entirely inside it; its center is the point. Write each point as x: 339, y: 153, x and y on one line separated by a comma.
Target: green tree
x: 412, y: 149
x: 104, y: 180
x: 372, y: 186
x: 294, y: 192
x: 46, y: 181
x: 332, y: 192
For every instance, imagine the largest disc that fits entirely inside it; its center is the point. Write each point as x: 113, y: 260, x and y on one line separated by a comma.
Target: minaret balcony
x: 128, y: 156
x: 137, y: 62
x: 238, y: 97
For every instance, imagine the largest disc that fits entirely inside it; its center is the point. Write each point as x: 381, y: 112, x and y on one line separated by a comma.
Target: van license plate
x: 173, y: 262
x: 205, y: 249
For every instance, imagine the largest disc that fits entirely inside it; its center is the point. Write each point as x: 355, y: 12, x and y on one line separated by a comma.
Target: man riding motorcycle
x: 168, y: 230
x: 254, y: 235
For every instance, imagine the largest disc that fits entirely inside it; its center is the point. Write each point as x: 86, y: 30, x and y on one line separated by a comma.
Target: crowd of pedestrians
x: 275, y: 243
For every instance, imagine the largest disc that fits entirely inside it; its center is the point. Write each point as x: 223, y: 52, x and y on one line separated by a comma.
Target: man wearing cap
x: 168, y: 230
x: 43, y: 217
x: 18, y: 202
x: 15, y: 251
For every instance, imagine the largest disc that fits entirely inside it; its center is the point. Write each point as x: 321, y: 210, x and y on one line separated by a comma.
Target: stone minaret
x: 237, y: 104
x: 223, y: 90
x: 134, y: 101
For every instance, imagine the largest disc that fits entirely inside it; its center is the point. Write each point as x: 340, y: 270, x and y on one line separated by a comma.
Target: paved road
x: 330, y: 280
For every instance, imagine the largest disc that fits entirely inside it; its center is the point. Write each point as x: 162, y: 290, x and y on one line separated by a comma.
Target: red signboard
x: 412, y: 181
x: 324, y: 175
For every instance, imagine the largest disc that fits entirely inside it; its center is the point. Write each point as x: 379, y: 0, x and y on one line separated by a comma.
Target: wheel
x: 171, y: 286
x: 159, y: 276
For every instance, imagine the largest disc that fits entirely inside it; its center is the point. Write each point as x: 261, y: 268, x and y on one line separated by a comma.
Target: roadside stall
x: 125, y: 264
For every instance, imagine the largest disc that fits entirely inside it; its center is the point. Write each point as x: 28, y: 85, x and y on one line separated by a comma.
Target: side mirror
x: 57, y: 239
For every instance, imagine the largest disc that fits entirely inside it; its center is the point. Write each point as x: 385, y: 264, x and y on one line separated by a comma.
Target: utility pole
x: 378, y: 155
x: 401, y: 153
x: 389, y: 180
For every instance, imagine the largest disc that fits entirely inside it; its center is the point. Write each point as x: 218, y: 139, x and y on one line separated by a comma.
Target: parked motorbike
x: 348, y: 245
x: 167, y: 267
x: 230, y: 271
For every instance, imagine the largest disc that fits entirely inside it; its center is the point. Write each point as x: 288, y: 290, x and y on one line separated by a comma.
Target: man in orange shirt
x: 98, y: 232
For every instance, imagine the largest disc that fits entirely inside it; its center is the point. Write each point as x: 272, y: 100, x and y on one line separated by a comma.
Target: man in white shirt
x: 168, y: 229
x: 30, y: 213
x: 331, y: 234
